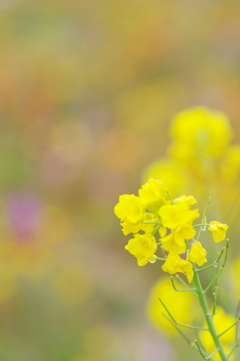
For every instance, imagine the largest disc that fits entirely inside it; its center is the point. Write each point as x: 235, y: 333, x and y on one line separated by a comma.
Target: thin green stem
x: 203, y: 219
x: 200, y: 349
x: 178, y: 290
x: 229, y: 328
x: 179, y: 330
x: 178, y: 323
x: 161, y: 259
x: 236, y: 344
x: 214, y: 279
x: 148, y: 222
x: 185, y: 284
x: 214, y: 263
x: 170, y: 197
x: 221, y: 269
x: 156, y: 228
x: 215, y: 301
x: 201, y: 225
x: 237, y: 329
x: 210, y: 356
x: 208, y: 316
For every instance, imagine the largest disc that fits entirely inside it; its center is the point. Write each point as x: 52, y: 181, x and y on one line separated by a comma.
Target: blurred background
x: 88, y: 90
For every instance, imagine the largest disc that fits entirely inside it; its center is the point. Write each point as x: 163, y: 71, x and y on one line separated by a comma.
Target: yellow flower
x: 218, y: 231
x: 186, y: 268
x: 175, y: 241
x: 172, y: 263
x: 181, y: 305
x: 128, y: 227
x: 169, y: 244
x: 153, y: 194
x: 162, y: 231
x: 199, y: 132
x: 222, y: 321
x: 129, y: 208
x: 174, y: 215
x: 197, y: 254
x: 151, y: 222
x: 189, y: 200
x: 184, y: 232
x: 143, y: 247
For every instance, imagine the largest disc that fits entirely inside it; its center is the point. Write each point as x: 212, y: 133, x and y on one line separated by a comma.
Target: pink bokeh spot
x: 24, y: 211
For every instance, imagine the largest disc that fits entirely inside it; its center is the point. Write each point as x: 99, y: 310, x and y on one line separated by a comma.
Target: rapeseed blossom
x: 143, y: 247
x: 172, y: 263
x: 153, y: 194
x: 186, y: 268
x: 174, y: 215
x: 159, y: 222
x: 218, y: 231
x: 175, y: 263
x: 197, y: 254
x: 129, y: 209
x: 165, y: 229
x: 200, y: 156
x: 169, y: 243
x: 154, y: 213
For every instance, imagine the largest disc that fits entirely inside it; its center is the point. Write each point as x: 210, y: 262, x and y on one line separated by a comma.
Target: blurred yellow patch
x: 222, y: 321
x: 182, y: 305
x: 199, y: 132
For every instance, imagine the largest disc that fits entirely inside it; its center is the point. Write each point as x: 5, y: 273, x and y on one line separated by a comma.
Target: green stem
x: 204, y: 219
x: 170, y: 197
x: 215, y: 263
x: 201, y: 225
x: 208, y: 316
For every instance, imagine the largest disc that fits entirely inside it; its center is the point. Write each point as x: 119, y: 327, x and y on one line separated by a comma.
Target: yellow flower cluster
x: 200, y: 155
x: 208, y: 134
x: 153, y: 213
x: 141, y: 214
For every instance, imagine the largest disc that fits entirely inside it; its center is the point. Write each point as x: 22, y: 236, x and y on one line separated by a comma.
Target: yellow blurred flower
x: 230, y: 164
x: 197, y: 254
x: 181, y: 305
x: 170, y: 172
x: 199, y: 132
x: 143, y: 247
x: 218, y: 231
x: 222, y: 321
